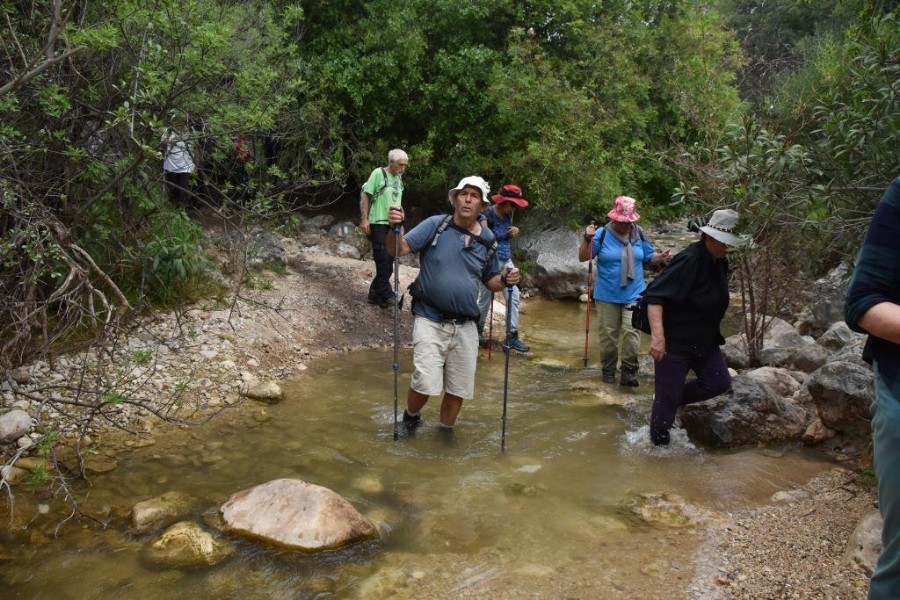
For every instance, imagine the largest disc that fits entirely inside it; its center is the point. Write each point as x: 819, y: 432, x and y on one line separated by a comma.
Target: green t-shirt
x: 381, y: 197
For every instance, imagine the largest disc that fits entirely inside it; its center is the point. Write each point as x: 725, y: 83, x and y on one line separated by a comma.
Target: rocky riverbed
x: 188, y: 364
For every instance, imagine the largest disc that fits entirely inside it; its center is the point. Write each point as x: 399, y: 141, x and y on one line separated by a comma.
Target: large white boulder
x: 297, y: 515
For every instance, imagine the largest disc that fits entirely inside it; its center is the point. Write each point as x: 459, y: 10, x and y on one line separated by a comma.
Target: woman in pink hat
x: 621, y: 251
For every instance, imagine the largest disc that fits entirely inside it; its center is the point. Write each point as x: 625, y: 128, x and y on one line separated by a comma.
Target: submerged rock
x: 160, y: 511
x: 665, y: 509
x: 297, y: 515
x: 186, y: 544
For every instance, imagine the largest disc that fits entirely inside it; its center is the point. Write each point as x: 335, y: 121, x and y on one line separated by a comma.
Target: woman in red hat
x: 500, y: 222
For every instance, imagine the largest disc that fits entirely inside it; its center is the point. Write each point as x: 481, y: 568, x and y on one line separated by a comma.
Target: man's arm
x: 364, y: 213
x: 395, y: 217
x: 503, y: 280
x: 883, y: 321
x: 657, y: 331
x: 871, y: 304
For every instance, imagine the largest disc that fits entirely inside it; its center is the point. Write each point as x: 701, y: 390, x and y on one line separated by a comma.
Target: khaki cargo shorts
x: 444, y: 357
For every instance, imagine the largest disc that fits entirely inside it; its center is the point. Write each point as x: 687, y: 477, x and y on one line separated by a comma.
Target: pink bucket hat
x: 623, y: 210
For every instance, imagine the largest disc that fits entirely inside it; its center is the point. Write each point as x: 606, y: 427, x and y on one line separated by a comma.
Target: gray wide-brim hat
x: 721, y: 227
x: 474, y: 181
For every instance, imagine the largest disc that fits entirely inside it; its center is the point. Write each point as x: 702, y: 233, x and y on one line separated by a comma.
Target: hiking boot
x: 659, y: 438
x: 516, y: 344
x: 629, y: 378
x: 609, y: 376
x: 388, y: 302
x: 411, y: 422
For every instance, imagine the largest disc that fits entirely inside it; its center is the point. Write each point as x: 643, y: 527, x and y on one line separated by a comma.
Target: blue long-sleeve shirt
x: 876, y: 279
x: 500, y: 227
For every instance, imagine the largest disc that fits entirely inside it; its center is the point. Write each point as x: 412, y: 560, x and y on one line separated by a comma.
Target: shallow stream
x: 551, y: 517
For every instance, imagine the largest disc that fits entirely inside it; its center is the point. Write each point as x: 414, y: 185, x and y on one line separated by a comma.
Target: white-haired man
x: 457, y: 256
x: 383, y: 189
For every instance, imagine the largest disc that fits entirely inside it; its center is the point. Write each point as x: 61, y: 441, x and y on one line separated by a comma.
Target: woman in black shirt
x: 686, y: 305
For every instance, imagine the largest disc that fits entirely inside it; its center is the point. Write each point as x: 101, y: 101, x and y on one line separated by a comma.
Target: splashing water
x: 638, y: 441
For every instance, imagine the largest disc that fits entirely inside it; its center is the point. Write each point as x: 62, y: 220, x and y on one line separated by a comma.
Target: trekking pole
x: 396, y: 319
x: 590, y: 301
x: 508, y: 350
x: 491, y: 326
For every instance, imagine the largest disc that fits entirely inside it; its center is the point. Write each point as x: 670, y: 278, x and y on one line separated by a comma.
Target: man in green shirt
x: 384, y: 188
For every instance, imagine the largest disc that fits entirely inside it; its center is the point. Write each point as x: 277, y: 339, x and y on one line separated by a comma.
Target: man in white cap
x: 686, y: 304
x: 457, y: 255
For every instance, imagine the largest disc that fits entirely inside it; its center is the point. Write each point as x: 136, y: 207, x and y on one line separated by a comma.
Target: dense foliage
x: 575, y: 100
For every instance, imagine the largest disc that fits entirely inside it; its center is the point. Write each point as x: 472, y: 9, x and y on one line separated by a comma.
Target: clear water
x: 550, y: 517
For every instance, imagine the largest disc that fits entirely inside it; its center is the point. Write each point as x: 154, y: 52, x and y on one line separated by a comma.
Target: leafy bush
x: 173, y: 259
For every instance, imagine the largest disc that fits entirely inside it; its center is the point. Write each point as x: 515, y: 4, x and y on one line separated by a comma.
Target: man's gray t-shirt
x: 452, y: 271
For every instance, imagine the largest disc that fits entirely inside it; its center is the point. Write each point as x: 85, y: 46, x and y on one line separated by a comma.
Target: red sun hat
x: 623, y: 210
x: 510, y: 193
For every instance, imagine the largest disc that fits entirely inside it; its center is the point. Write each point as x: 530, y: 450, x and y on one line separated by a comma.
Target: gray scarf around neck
x: 626, y: 271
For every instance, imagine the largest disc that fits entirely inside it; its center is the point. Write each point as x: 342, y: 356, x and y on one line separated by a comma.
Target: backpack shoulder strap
x: 384, y: 182
x: 444, y: 224
x: 434, y: 239
x: 448, y: 222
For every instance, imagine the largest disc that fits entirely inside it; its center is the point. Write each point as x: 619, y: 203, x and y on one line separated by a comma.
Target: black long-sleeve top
x: 693, y: 290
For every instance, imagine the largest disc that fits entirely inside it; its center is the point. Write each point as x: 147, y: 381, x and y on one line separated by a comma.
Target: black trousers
x: 178, y: 187
x: 380, y: 290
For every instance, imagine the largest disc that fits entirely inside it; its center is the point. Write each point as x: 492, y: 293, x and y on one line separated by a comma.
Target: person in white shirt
x: 178, y: 164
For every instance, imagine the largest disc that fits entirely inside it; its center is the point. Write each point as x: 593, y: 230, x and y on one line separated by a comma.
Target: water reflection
x: 551, y: 517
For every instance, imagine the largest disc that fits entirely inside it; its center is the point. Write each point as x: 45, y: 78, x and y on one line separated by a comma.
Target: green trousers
x: 615, y: 325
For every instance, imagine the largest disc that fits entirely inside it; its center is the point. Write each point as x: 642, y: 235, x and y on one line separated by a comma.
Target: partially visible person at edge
x: 686, y: 304
x: 445, y: 299
x: 178, y: 162
x: 383, y: 189
x: 873, y: 307
x: 621, y: 252
x: 500, y: 221
x: 243, y: 159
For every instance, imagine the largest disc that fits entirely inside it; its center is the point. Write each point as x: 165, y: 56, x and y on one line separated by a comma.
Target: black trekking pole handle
x: 396, y: 364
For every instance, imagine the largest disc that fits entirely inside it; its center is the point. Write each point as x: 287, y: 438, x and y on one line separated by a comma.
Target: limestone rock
x: 12, y: 475
x: 269, y: 392
x: 842, y: 393
x: 160, y: 511
x: 817, y: 432
x: 864, y: 545
x: 810, y: 357
x: 14, y: 425
x: 21, y: 376
x: 186, y: 544
x: 750, y: 414
x: 671, y: 510
x: 297, y: 515
x: 837, y: 336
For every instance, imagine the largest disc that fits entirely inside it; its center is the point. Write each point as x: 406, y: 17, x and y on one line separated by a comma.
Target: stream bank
x: 322, y: 311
